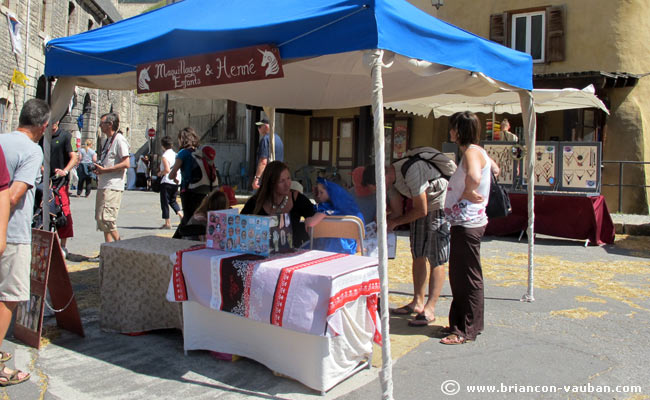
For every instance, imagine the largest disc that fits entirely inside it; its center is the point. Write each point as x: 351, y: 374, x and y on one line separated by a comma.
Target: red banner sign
x: 241, y: 65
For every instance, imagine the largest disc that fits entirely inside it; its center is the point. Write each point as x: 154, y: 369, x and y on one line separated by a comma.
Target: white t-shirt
x: 119, y: 148
x: 170, y: 156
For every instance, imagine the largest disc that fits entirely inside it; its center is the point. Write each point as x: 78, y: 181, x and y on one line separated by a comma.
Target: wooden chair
x: 339, y: 226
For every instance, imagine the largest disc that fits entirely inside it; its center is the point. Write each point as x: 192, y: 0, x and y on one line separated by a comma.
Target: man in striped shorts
x: 425, y: 186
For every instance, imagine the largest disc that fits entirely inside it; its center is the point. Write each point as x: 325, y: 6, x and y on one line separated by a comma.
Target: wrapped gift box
x: 253, y: 234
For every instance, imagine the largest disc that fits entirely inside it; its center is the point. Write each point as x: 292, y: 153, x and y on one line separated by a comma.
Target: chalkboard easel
x: 48, y: 270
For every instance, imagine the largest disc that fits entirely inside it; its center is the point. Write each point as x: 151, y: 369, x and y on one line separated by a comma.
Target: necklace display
x: 282, y: 204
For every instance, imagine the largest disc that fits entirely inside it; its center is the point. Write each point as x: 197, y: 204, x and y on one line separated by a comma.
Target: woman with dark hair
x: 197, y: 224
x: 168, y: 187
x: 188, y: 141
x: 276, y: 197
x: 467, y: 198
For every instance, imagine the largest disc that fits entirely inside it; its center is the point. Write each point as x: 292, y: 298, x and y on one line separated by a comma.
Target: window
x: 538, y: 32
x: 346, y: 139
x: 320, y: 141
x: 528, y: 34
x: 5, y: 3
x: 4, y: 115
x: 72, y: 19
x: 41, y: 22
x: 90, y: 24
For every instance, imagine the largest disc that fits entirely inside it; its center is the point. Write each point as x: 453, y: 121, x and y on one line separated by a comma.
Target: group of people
x: 447, y: 218
x: 21, y: 166
x: 447, y: 221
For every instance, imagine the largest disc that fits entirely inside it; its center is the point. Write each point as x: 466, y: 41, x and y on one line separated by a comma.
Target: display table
x: 311, y: 315
x: 568, y: 216
x: 134, y: 275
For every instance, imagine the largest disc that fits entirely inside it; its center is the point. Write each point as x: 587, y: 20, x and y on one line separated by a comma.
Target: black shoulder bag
x: 498, y: 202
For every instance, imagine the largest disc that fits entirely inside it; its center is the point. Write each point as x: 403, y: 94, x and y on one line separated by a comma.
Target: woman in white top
x: 168, y: 187
x: 467, y: 198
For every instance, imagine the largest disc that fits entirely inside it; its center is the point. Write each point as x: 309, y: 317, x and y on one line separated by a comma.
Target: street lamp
x: 437, y: 3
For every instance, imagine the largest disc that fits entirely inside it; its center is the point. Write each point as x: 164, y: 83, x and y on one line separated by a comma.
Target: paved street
x: 585, y: 333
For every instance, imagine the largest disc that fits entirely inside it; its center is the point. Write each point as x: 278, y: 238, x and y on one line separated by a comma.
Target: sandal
x: 11, y: 378
x: 4, y: 356
x: 421, y: 320
x: 404, y: 310
x: 453, y: 339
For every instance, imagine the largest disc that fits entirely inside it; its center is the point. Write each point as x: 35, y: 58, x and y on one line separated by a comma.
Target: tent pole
x: 530, y: 126
x: 47, y: 140
x: 270, y: 113
x: 494, y: 121
x: 378, y: 120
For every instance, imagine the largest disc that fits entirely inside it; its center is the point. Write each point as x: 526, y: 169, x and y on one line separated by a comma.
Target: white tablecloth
x: 303, y: 291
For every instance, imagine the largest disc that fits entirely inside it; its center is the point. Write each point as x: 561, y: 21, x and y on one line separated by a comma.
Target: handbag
x: 498, y: 203
x: 155, y: 184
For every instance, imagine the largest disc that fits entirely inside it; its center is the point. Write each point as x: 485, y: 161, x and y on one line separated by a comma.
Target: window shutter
x: 555, y: 34
x: 499, y: 28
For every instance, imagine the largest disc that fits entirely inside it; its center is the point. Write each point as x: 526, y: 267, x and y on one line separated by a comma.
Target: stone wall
x: 135, y: 112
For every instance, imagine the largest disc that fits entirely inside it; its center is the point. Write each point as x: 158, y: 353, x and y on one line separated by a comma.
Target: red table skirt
x: 574, y: 217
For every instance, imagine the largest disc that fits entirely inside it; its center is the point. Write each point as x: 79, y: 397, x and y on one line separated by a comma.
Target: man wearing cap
x: 264, y: 150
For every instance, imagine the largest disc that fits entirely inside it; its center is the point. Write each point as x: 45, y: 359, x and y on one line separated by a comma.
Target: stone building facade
x: 47, y: 19
x: 577, y: 43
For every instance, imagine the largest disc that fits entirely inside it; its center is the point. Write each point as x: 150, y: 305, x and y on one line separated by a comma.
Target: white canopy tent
x: 505, y: 102
x: 335, y: 54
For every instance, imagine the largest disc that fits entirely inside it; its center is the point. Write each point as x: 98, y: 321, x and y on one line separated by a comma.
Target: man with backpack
x: 422, y: 176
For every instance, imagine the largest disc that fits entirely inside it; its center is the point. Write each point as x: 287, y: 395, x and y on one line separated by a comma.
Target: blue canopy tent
x: 335, y: 54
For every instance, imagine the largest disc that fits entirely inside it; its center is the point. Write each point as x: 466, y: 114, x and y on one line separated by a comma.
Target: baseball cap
x: 262, y: 122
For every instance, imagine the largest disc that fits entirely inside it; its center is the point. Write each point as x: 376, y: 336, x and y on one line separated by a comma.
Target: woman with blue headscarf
x: 334, y: 200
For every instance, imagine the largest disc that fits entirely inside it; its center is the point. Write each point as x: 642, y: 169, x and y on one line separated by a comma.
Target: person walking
x: 264, y: 150
x: 188, y: 142
x: 87, y: 157
x: 24, y: 158
x: 425, y: 184
x: 168, y: 187
x: 111, y: 171
x: 467, y: 198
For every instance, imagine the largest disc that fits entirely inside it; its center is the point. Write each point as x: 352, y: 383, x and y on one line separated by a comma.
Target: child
x: 196, y: 225
x: 334, y: 200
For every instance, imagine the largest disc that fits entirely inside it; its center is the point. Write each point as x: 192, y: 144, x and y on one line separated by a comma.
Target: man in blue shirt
x: 264, y: 150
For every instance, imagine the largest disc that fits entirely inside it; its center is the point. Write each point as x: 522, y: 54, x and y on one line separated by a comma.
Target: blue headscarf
x: 340, y: 202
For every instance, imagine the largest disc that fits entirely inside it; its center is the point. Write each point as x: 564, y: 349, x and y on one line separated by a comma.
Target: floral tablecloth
x: 134, y: 275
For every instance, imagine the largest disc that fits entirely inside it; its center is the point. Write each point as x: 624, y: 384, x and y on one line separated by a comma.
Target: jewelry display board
x: 546, y: 166
x: 501, y: 152
x: 580, y: 167
x: 48, y: 270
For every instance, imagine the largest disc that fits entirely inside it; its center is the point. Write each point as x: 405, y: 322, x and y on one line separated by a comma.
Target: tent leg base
x: 527, y: 298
